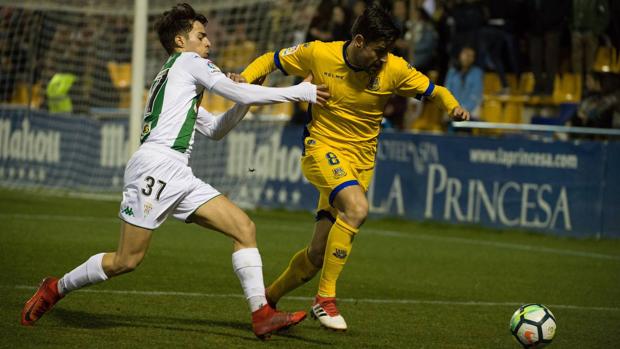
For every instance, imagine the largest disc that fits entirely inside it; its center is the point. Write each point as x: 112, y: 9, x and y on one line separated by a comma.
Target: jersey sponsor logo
x: 289, y: 50
x: 333, y: 75
x: 147, y: 209
x: 373, y: 84
x: 213, y: 68
x: 128, y: 211
x: 340, y: 254
x: 339, y: 172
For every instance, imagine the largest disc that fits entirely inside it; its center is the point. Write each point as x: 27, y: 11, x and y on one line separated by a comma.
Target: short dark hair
x: 375, y: 24
x: 179, y: 20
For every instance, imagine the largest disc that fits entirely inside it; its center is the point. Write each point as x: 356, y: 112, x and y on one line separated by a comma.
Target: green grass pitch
x: 406, y: 285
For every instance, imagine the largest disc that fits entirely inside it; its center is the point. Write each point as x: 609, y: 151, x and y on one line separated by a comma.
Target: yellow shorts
x: 330, y: 172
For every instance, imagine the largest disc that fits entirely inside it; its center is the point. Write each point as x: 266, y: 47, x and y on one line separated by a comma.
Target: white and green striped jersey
x: 173, y: 112
x: 175, y: 95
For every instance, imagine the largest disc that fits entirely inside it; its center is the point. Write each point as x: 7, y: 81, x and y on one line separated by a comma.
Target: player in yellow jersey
x: 340, y: 141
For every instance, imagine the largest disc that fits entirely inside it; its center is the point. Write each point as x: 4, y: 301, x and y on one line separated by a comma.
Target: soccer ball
x: 533, y: 325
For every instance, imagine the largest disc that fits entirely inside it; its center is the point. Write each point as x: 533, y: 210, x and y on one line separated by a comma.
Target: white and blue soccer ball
x: 533, y: 325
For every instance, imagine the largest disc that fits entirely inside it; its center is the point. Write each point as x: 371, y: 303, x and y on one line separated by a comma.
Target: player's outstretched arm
x: 218, y: 126
x: 259, y: 95
x: 444, y: 98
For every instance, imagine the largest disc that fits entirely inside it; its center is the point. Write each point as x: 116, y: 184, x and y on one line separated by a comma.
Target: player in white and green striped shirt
x: 158, y: 181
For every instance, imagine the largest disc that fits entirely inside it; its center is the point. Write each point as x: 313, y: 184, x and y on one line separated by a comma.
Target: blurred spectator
x: 497, y: 39
x: 402, y: 46
x: 424, y: 41
x: 589, y: 19
x: 7, y: 69
x: 320, y: 24
x: 300, y: 35
x: 358, y: 8
x: 339, y: 24
x: 238, y: 51
x: 442, y: 20
x: 464, y: 80
x: 467, y: 20
x: 547, y: 19
x: 614, y: 26
x: 601, y: 103
x: 13, y: 53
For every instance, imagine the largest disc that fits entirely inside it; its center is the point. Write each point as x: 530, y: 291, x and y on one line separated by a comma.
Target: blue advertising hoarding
x: 564, y: 188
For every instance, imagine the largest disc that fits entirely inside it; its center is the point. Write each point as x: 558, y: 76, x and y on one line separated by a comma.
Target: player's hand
x: 322, y: 93
x: 235, y: 77
x: 260, y: 80
x: 459, y: 114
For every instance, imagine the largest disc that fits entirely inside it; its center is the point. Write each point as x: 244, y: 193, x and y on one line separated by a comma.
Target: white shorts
x: 159, y: 183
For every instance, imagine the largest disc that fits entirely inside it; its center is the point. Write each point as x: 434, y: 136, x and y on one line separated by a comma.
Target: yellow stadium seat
x: 604, y: 60
x: 491, y: 110
x: 120, y: 74
x: 567, y: 88
x: 557, y: 96
x: 429, y: 120
x: 512, y: 112
x: 215, y: 103
x: 283, y: 109
x: 512, y: 83
x: 571, y: 87
x: 21, y: 93
x: 491, y: 83
x: 526, y: 83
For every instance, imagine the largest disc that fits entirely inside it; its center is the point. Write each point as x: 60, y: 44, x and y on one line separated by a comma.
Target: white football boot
x: 325, y: 310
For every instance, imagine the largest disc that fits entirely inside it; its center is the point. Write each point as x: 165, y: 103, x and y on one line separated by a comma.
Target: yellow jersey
x: 350, y: 121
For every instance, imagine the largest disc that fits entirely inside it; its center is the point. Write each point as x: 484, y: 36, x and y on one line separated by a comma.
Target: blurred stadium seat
x: 492, y: 110
x: 215, y: 103
x: 491, y: 83
x: 513, y: 109
x: 605, y: 60
x: 120, y: 73
x: 526, y: 83
x: 429, y: 120
x: 21, y: 94
x: 567, y: 88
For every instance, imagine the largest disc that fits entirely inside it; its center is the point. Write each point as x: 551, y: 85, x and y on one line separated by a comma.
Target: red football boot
x: 267, y: 320
x: 41, y: 302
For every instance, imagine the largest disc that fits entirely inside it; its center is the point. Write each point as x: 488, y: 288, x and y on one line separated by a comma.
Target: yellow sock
x: 300, y: 270
x: 337, y: 251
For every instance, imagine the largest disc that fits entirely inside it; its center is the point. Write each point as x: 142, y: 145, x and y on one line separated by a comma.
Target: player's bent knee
x: 356, y: 213
x: 124, y: 265
x: 246, y: 233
